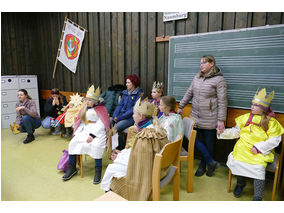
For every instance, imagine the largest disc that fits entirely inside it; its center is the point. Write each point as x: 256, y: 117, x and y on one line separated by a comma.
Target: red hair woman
x: 122, y: 115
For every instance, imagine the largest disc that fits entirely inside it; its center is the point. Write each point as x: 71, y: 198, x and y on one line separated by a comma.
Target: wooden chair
x: 168, y: 157
x: 190, y: 134
x: 274, y: 167
x: 79, y: 160
x: 110, y: 133
x: 282, y: 184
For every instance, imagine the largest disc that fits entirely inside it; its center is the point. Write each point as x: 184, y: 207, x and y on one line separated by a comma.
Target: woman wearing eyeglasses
x: 208, y: 93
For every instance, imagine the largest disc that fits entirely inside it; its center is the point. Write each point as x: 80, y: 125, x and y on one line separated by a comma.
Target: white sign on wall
x: 169, y: 16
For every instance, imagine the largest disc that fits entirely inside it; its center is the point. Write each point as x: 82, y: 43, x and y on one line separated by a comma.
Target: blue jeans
x: 205, y: 147
x: 120, y: 126
x: 46, y: 123
x: 29, y: 124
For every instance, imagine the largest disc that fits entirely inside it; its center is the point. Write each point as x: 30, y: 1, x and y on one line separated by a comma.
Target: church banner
x: 71, y: 46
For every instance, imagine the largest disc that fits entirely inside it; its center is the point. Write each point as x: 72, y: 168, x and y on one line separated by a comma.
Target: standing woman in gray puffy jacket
x: 208, y: 92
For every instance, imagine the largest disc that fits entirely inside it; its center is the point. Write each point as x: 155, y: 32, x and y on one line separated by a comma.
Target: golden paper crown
x: 144, y: 107
x: 158, y: 86
x: 262, y: 98
x: 76, y: 100
x: 91, y: 93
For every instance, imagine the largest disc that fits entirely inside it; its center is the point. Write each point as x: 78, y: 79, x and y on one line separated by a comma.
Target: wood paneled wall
x: 116, y: 44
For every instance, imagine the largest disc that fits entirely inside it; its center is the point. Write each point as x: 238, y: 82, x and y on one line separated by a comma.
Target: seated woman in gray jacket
x: 208, y: 92
x: 26, y: 115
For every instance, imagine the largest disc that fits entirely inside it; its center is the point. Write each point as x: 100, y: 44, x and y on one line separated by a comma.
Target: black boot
x: 97, y: 177
x: 68, y: 132
x: 29, y: 138
x: 241, y: 183
x: 71, y: 171
x: 211, y: 168
x: 239, y: 190
x: 200, y: 171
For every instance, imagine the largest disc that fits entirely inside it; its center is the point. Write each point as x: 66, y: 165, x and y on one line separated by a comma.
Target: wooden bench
x: 232, y: 113
x: 45, y: 94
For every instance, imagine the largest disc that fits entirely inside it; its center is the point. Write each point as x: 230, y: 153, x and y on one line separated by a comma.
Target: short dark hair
x: 55, y: 91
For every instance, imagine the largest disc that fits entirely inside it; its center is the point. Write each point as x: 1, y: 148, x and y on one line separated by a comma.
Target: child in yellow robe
x: 259, y: 134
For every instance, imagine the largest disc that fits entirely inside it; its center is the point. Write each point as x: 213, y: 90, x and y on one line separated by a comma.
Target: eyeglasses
x: 202, y: 63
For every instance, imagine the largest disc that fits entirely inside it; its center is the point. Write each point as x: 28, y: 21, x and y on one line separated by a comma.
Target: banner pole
x: 60, y: 43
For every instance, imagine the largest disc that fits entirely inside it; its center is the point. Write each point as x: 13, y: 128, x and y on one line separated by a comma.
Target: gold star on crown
x: 262, y: 98
x: 144, y: 107
x: 76, y: 100
x: 91, y: 93
x: 158, y: 86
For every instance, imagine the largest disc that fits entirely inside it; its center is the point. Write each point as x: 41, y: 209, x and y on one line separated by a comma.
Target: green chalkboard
x: 249, y: 59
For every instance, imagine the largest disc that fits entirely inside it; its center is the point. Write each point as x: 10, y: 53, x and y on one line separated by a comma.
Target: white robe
x: 78, y: 144
x: 245, y: 169
x: 173, y: 125
x: 118, y: 168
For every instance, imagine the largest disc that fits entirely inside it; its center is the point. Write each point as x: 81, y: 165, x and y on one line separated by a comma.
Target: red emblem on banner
x: 71, y: 46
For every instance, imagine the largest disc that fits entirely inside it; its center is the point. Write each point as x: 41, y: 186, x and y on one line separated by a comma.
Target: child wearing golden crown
x: 259, y: 134
x: 89, y: 134
x: 157, y: 92
x: 130, y: 175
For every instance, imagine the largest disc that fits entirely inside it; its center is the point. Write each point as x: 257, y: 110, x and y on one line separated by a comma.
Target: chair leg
x: 176, y: 185
x: 81, y: 165
x: 274, y: 184
x: 279, y: 176
x: 282, y: 187
x: 230, y: 179
x: 156, y: 193
x: 190, y: 165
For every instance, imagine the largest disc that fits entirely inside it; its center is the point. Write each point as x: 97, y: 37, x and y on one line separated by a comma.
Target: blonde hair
x: 210, y: 59
x: 264, y: 122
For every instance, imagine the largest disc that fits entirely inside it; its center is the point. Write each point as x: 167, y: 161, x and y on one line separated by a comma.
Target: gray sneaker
x: 57, y: 131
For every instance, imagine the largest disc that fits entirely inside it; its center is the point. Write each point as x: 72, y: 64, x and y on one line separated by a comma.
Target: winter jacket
x: 209, y: 99
x: 52, y: 111
x: 111, y: 97
x: 124, y: 109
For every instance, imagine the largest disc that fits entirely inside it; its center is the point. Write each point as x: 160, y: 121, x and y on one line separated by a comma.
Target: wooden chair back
x: 190, y: 134
x: 168, y: 157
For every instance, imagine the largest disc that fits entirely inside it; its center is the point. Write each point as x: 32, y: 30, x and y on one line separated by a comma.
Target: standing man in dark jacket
x: 53, y: 105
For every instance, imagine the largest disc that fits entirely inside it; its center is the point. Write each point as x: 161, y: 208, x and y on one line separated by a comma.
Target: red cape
x: 102, y: 113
